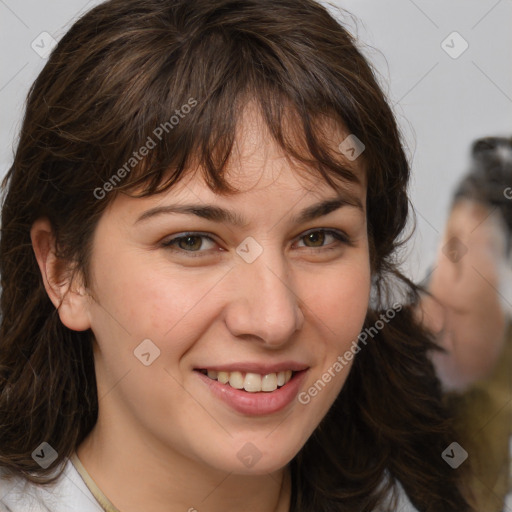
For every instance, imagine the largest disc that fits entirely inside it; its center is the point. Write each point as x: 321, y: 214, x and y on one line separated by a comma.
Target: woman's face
x: 244, y: 288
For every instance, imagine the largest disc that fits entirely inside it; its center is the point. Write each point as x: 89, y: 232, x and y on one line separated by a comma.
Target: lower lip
x: 259, y: 403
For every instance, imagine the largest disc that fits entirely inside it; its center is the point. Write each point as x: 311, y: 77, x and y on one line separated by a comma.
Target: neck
x: 141, y: 478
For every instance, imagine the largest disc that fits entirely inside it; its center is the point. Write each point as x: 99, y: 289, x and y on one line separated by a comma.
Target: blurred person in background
x: 470, y: 311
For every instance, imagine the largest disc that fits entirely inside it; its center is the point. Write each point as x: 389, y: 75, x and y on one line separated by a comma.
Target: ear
x: 71, y: 303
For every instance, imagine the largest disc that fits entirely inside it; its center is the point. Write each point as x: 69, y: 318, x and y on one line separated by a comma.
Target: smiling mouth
x: 250, y: 382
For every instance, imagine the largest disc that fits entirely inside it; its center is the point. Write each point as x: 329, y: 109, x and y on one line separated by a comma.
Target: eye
x: 188, y: 242
x: 194, y: 242
x: 318, y: 237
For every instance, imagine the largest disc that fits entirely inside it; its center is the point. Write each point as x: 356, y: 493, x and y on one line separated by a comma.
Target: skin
x: 467, y: 314
x: 162, y: 441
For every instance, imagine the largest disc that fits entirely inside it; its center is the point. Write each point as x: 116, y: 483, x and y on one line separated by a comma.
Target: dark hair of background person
x: 122, y: 70
x: 489, y: 174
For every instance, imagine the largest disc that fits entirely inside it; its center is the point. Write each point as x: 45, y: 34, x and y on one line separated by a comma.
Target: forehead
x: 256, y: 154
x: 259, y: 167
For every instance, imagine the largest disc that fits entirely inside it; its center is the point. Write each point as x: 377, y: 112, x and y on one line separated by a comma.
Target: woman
x: 201, y: 304
x: 474, y: 320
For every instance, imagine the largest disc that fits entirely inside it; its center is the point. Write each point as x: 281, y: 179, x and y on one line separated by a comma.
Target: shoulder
x: 68, y: 494
x: 397, y: 501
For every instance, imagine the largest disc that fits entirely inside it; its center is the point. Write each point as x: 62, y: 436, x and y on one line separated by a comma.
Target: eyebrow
x: 217, y: 214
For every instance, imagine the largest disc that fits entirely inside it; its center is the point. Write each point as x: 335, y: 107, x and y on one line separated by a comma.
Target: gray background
x: 442, y: 103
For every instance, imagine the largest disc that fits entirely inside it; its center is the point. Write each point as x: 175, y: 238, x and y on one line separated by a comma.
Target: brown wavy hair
x: 122, y: 71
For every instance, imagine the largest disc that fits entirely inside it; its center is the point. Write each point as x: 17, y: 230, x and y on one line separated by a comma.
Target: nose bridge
x: 265, y: 303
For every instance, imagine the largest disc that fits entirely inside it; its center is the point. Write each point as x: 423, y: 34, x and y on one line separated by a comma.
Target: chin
x: 257, y: 457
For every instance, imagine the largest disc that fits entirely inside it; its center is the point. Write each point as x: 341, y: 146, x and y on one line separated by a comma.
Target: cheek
x: 339, y: 300
x: 150, y: 299
x: 338, y: 306
x: 138, y: 300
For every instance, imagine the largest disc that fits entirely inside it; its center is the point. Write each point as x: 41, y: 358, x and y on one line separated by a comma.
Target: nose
x: 264, y: 303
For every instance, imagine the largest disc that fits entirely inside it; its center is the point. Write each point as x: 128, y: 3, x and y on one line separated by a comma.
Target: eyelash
x: 340, y: 237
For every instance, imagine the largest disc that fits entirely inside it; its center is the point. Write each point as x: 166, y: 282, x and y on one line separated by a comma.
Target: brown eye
x: 316, y: 239
x: 320, y: 238
x: 190, y: 243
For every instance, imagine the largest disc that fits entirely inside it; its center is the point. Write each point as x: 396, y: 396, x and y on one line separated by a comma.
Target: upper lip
x: 252, y: 367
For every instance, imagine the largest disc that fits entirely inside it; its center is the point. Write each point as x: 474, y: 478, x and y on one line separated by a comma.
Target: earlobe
x: 70, y: 301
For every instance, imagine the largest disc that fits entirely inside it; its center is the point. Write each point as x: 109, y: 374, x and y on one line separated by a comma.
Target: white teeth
x: 222, y: 377
x: 236, y: 380
x: 251, y: 382
x: 269, y: 382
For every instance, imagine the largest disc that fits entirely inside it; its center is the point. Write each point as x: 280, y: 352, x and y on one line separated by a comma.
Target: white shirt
x: 70, y: 493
